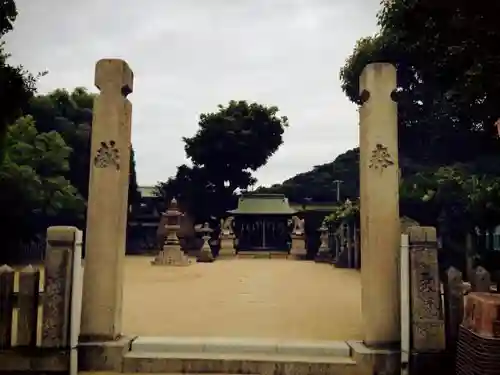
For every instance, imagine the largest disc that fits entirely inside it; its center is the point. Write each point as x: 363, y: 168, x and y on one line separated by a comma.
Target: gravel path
x: 270, y: 298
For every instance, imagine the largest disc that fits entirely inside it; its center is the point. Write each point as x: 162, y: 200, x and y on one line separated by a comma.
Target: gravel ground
x: 266, y: 298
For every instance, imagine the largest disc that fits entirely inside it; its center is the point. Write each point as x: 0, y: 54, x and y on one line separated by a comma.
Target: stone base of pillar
x: 324, y: 256
x: 103, y: 355
x: 373, y: 360
x: 171, y: 255
x: 227, y: 243
x: 205, y: 255
x: 298, y: 250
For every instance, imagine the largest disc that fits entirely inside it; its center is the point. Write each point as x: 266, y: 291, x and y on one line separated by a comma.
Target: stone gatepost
x: 379, y: 352
x: 380, y: 226
x: 107, y: 202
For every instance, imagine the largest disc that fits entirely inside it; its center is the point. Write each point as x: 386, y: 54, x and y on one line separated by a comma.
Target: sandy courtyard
x: 267, y: 298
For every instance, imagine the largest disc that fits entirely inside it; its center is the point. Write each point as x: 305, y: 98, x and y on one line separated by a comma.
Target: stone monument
x: 171, y: 253
x: 379, y: 206
x: 107, y: 202
x: 205, y: 255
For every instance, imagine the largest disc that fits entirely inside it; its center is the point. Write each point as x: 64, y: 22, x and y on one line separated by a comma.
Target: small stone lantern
x: 205, y: 255
x: 324, y: 250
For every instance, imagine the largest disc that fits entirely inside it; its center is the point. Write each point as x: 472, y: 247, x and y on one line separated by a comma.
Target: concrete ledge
x: 237, y: 364
x: 240, y: 346
x: 103, y: 356
x: 371, y: 361
x: 316, y: 348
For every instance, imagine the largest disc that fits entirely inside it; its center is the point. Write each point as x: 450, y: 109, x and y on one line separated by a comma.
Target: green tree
x: 236, y: 140
x: 16, y: 85
x: 318, y: 184
x: 230, y: 144
x: 34, y: 193
x: 446, y: 58
x: 70, y: 114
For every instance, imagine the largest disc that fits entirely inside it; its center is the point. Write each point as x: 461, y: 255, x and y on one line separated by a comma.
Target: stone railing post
x: 61, y: 253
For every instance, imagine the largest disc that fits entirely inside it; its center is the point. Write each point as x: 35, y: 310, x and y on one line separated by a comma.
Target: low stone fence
x: 432, y: 304
x: 36, y: 304
x: 454, y: 294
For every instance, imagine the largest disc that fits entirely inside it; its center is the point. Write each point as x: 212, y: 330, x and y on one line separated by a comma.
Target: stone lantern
x: 205, y: 255
x: 323, y: 254
x: 171, y: 253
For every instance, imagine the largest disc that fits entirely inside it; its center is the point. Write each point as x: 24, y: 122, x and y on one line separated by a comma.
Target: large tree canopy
x: 231, y: 143
x: 236, y: 139
x: 70, y: 114
x: 34, y: 193
x: 447, y: 59
x: 16, y: 85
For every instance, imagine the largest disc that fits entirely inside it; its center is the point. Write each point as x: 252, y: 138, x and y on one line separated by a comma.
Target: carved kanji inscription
x: 107, y: 156
x: 381, y: 158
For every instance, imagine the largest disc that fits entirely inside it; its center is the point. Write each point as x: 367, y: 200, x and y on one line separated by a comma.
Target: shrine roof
x: 146, y: 191
x: 263, y: 204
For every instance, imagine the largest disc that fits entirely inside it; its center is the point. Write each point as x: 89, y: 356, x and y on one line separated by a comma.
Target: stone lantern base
x: 324, y: 255
x: 205, y: 255
x: 172, y: 255
x: 298, y: 249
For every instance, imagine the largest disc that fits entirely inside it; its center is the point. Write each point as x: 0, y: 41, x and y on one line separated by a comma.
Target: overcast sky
x: 190, y: 55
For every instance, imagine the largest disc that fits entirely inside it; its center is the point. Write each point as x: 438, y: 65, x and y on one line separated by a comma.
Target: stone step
x: 240, y: 345
x: 264, y: 255
x: 135, y: 373
x: 236, y: 363
x: 238, y: 356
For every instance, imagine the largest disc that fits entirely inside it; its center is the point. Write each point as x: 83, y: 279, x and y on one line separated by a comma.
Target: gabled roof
x: 146, y: 191
x: 263, y: 204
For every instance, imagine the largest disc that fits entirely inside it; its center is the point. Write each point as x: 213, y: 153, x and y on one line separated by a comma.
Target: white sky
x: 190, y: 55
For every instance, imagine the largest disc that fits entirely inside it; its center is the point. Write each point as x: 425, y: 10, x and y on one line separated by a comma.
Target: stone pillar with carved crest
x: 107, y: 202
x: 379, y: 206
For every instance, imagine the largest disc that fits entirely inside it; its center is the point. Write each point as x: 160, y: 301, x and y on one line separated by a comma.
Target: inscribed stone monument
x: 107, y: 201
x: 379, y: 205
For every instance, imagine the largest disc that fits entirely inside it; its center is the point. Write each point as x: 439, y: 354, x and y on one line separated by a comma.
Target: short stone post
x: 481, y: 280
x: 205, y: 255
x: 379, y: 206
x: 29, y: 289
x: 58, y: 264
x: 107, y: 202
x: 171, y: 253
x: 427, y: 318
x: 453, y: 306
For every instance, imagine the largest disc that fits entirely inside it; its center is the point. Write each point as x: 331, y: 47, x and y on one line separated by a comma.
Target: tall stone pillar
x: 107, y: 202
x: 380, y: 226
